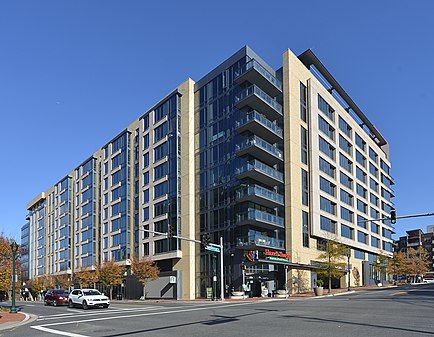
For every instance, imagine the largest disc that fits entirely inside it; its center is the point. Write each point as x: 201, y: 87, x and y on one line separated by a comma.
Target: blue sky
x: 74, y: 73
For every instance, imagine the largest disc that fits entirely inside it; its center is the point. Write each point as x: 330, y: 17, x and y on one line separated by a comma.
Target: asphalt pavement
x: 403, y: 311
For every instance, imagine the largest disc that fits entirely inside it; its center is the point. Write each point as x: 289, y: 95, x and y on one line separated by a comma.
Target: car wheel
x: 85, y: 306
x: 105, y: 306
x: 45, y: 303
x: 55, y: 303
x: 70, y: 304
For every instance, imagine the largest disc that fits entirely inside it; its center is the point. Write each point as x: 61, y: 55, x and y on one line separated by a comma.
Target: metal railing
x: 257, y: 66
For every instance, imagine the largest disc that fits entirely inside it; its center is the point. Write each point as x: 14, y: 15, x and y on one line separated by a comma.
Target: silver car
x: 88, y: 298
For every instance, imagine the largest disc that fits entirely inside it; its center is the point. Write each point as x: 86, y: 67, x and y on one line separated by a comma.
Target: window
x: 119, y: 208
x: 118, y: 192
x: 327, y: 186
x: 373, y: 199
x: 360, y: 159
x: 327, y: 205
x: 346, y: 214
x: 375, y: 242
x: 327, y: 168
x: 375, y: 228
x: 362, y: 207
x: 359, y: 254
x: 326, y: 148
x: 387, y: 233
x: 361, y: 175
x: 303, y: 102
x: 161, y: 151
x: 362, y: 237
x: 373, y: 170
x: 146, y: 214
x: 387, y: 246
x: 119, y: 160
x: 386, y: 181
x: 145, y: 121
x: 373, y: 184
x: 386, y: 207
x: 386, y: 194
x: 384, y: 166
x: 346, y: 181
x: 360, y: 143
x: 161, y: 131
x: 145, y: 141
x: 119, y: 176
x: 374, y: 213
x: 345, y: 163
x: 146, y: 196
x: 146, y: 178
x: 305, y: 225
x: 344, y: 127
x: 362, y: 221
x: 373, y: 155
x: 345, y: 145
x: 305, y: 187
x: 346, y: 198
x: 161, y: 171
x: 325, y: 127
x: 161, y: 189
x: 146, y: 160
x: 119, y: 143
x: 347, y: 232
x: 326, y: 108
x: 327, y: 224
x: 304, y: 145
x: 161, y: 208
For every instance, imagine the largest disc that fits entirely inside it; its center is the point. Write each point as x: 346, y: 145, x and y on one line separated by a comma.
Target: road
x: 404, y: 311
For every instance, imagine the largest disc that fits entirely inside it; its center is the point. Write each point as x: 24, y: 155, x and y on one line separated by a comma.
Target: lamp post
x: 14, y: 248
x: 349, y: 267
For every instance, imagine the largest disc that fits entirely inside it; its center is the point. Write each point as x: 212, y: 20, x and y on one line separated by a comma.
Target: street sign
x: 213, y: 249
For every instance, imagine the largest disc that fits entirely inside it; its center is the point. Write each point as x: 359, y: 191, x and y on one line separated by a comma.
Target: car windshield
x: 91, y: 292
x: 61, y: 292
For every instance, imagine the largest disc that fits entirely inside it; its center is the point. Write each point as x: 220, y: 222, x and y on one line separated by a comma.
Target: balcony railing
x: 263, y: 102
x: 260, y: 240
x: 256, y: 165
x: 260, y: 143
x: 253, y: 66
x: 256, y: 116
x: 256, y: 190
x: 261, y: 216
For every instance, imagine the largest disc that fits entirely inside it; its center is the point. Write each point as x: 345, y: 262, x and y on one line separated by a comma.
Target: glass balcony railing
x: 256, y: 165
x: 261, y: 192
x: 255, y: 90
x: 260, y: 240
x: 253, y: 64
x: 261, y: 216
x: 260, y: 143
x: 256, y: 116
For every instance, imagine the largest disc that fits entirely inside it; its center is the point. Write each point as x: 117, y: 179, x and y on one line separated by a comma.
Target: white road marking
x: 58, y: 332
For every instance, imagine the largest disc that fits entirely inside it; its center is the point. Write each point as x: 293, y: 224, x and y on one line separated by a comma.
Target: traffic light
x: 393, y: 216
x: 170, y: 231
x: 206, y: 239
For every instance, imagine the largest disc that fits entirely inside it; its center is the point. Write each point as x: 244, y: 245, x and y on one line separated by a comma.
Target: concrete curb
x: 11, y: 325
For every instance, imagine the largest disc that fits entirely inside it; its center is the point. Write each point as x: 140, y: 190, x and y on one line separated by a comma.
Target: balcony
x: 260, y: 219
x: 257, y: 170
x: 258, y: 100
x: 251, y: 242
x: 254, y: 72
x: 259, y: 148
x: 260, y: 195
x: 255, y: 122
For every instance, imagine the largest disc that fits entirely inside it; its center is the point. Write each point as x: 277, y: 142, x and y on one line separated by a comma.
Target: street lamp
x: 14, y: 248
x: 348, y: 266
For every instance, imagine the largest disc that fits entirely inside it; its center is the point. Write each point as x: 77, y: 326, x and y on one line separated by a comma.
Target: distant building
x: 273, y: 161
x: 416, y: 238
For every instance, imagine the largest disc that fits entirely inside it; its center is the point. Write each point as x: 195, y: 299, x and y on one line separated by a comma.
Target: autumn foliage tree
x: 145, y: 270
x: 87, y: 278
x: 110, y: 274
x: 6, y: 258
x: 331, y: 260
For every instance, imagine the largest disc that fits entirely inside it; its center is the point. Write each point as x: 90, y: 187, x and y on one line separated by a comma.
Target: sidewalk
x: 9, y: 321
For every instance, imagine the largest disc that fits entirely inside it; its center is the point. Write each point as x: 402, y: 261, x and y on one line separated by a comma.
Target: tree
x: 6, y: 258
x: 400, y: 263
x: 330, y: 260
x: 87, y: 278
x: 145, y: 270
x: 63, y: 281
x: 383, y: 266
x: 418, y: 261
x: 110, y: 275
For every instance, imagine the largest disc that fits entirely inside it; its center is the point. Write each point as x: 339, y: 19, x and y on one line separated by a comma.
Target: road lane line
x: 146, y: 314
x: 57, y: 332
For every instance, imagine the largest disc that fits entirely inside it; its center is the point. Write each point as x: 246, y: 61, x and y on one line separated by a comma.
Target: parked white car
x: 428, y: 280
x: 88, y: 298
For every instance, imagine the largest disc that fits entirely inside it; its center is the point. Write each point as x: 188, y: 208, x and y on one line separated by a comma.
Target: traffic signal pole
x: 399, y: 217
x: 219, y: 246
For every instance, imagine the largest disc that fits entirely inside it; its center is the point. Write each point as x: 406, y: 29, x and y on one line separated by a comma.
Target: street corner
x: 9, y: 320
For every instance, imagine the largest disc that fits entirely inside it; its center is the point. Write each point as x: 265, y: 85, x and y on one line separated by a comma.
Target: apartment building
x: 418, y: 238
x: 273, y: 161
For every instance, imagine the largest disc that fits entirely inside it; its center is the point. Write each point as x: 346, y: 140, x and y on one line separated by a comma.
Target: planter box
x: 318, y: 291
